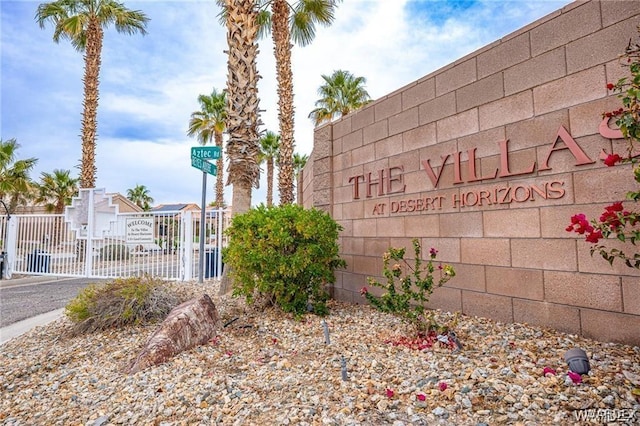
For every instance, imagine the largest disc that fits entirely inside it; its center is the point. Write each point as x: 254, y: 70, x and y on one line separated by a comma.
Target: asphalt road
x: 25, y: 300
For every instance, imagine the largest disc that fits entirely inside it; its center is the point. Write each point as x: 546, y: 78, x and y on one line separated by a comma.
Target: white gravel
x: 266, y: 368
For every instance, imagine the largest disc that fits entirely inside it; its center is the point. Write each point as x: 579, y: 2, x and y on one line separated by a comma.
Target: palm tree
x: 341, y: 94
x: 140, y: 196
x: 243, y: 111
x: 269, y: 152
x: 16, y: 186
x: 208, y: 124
x: 299, y: 161
x: 290, y: 21
x: 82, y: 22
x: 56, y: 190
x: 243, y: 120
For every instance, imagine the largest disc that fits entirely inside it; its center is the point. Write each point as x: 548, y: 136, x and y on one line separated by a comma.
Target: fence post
x: 186, y: 269
x: 88, y: 246
x: 220, y: 217
x: 10, y: 246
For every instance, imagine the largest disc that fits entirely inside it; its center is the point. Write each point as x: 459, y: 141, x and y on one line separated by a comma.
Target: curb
x: 17, y: 329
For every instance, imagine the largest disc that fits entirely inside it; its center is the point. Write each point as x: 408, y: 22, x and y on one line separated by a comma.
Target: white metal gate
x: 92, y: 239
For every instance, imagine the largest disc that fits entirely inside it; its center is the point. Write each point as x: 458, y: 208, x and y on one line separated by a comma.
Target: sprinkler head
x: 577, y: 360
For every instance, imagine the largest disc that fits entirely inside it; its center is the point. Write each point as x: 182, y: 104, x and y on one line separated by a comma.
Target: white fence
x: 93, y: 240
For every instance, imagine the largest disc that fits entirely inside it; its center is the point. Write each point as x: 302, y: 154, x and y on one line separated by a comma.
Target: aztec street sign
x: 206, y: 152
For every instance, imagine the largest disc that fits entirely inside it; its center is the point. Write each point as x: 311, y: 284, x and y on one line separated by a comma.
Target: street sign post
x: 199, y: 157
x: 206, y: 152
x: 204, y: 165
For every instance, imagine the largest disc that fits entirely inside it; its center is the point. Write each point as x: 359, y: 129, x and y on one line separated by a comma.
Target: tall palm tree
x: 243, y: 111
x: 16, y: 186
x: 140, y: 196
x: 82, y: 22
x: 341, y: 94
x: 269, y: 153
x: 209, y: 124
x: 243, y: 148
x: 290, y: 21
x: 56, y: 190
x: 299, y: 161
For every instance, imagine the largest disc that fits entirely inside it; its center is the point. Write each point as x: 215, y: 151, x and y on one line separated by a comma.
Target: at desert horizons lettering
x: 503, y: 171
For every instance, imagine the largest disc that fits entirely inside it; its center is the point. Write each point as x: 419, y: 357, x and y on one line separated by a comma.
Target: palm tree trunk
x: 269, y: 182
x: 219, y: 176
x: 282, y: 50
x: 243, y: 108
x: 243, y: 103
x: 89, y: 115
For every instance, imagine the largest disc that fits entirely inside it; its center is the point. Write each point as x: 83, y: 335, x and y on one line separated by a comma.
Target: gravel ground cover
x: 266, y: 368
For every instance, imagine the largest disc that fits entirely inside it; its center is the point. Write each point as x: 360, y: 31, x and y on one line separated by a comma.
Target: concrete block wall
x: 486, y: 160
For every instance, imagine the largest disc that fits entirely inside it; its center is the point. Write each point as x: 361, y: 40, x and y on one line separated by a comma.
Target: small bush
x: 286, y: 254
x: 114, y: 252
x: 121, y: 302
x: 408, y: 288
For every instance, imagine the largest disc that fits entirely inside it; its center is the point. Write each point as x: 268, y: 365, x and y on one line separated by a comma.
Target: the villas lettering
x: 504, y: 171
x: 388, y: 181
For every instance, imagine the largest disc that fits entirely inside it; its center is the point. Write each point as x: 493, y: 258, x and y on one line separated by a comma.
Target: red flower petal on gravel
x: 421, y: 397
x: 575, y: 377
x: 548, y: 370
x: 443, y: 386
x: 390, y: 393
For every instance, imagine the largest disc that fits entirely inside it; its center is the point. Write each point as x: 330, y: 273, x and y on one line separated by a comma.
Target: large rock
x: 190, y: 324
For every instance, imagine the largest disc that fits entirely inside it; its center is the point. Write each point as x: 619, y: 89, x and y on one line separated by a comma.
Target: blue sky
x: 149, y: 85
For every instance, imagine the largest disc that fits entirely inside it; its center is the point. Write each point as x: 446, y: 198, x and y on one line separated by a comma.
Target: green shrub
x: 121, y: 302
x: 408, y: 288
x: 114, y: 252
x: 286, y: 254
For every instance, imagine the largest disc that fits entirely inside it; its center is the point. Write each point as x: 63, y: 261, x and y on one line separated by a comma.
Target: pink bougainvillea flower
x: 548, y: 370
x: 442, y: 386
x: 421, y: 397
x: 594, y: 237
x: 615, y: 207
x: 364, y: 291
x: 612, y: 159
x: 610, y: 215
x: 575, y: 377
x: 579, y: 224
x: 390, y: 393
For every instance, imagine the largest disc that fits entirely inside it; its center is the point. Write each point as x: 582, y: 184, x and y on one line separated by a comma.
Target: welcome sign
x: 139, y: 230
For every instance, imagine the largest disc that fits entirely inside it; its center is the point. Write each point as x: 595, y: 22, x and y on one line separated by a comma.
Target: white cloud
x: 149, y: 85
